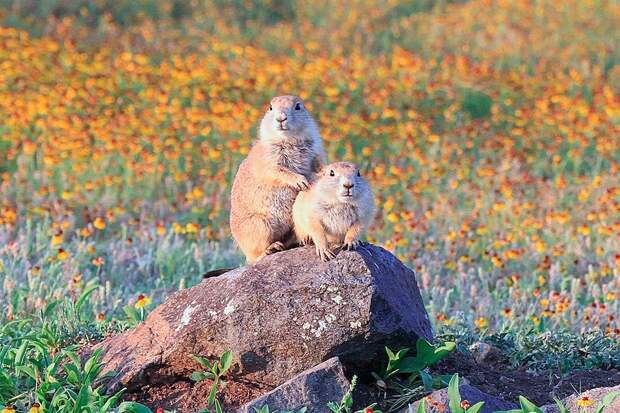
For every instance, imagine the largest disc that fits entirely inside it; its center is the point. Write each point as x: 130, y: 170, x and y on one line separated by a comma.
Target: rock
x: 485, y: 353
x: 591, y: 397
x: 438, y: 400
x: 280, y: 316
x: 312, y: 389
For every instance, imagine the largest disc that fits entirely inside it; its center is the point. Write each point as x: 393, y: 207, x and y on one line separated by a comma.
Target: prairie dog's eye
x: 270, y: 107
x: 297, y: 106
x: 358, y: 173
x: 332, y: 173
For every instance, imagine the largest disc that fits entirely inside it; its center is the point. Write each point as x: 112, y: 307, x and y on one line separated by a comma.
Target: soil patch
x: 500, y: 379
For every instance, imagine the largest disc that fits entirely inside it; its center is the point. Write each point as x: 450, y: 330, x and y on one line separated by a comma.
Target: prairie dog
x: 336, y: 210
x: 288, y: 152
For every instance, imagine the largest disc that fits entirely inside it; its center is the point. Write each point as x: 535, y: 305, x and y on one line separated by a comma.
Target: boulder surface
x: 312, y: 389
x: 280, y: 316
x: 438, y: 401
x: 588, y: 401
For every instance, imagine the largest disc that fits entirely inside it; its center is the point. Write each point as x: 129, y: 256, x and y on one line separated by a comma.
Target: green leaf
x: 421, y: 407
x: 528, y: 406
x: 87, y: 292
x: 133, y: 407
x: 427, y: 380
x: 201, y: 375
x: 218, y: 408
x: 203, y: 361
x: 212, y: 393
x: 475, y: 408
x: 607, y: 400
x: 454, y: 395
x: 561, y: 406
x: 226, y: 361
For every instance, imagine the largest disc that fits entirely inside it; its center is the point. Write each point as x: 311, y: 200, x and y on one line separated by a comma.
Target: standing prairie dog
x: 335, y: 211
x: 288, y: 152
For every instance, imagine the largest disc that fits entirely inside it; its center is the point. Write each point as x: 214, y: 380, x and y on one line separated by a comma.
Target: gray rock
x: 280, y: 316
x: 312, y: 389
x: 484, y: 352
x: 594, y: 395
x: 438, y: 400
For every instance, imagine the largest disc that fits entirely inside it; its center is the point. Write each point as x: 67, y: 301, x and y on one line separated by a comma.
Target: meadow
x: 489, y: 130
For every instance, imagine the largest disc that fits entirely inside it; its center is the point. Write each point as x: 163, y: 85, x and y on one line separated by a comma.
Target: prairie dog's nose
x: 281, y: 117
x: 348, y: 185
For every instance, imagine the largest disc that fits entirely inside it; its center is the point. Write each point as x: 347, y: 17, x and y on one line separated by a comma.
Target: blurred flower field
x: 490, y: 131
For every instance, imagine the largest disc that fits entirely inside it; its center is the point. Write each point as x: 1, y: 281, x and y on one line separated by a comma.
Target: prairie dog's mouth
x: 346, y: 194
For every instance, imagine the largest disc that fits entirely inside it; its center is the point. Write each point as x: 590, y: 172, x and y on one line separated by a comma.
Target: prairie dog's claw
x: 325, y: 254
x: 301, y: 183
x: 352, y: 245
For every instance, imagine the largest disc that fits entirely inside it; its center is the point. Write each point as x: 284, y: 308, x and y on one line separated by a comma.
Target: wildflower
x: 507, y: 312
x: 56, y: 239
x: 465, y: 404
x: 35, y: 408
x: 142, y: 301
x: 161, y: 229
x: 62, y: 254
x: 368, y: 410
x: 99, y: 223
x: 8, y: 409
x: 36, y: 270
x: 98, y: 261
x: 481, y: 322
x: 100, y: 317
x: 584, y: 401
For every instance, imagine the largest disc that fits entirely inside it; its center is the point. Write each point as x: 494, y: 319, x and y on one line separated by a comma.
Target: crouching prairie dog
x: 336, y: 210
x: 288, y: 152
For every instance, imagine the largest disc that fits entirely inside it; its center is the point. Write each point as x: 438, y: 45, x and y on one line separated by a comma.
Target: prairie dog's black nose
x: 348, y: 185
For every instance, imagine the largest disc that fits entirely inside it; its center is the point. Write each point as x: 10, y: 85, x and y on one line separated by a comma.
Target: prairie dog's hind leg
x: 254, y: 236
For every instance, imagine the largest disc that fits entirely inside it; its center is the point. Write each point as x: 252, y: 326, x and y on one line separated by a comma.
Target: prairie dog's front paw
x: 324, y: 253
x: 352, y: 244
x: 300, y: 182
x: 307, y: 240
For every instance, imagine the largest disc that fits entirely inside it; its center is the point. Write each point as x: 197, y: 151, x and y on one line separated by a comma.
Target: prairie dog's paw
x: 300, y: 182
x: 307, y: 240
x: 275, y: 247
x: 324, y: 253
x: 352, y: 244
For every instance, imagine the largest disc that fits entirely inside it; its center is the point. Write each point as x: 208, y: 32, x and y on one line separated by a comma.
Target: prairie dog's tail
x: 215, y: 273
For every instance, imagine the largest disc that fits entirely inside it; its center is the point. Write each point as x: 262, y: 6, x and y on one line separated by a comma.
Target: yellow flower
x: 142, y: 301
x: 56, y: 239
x: 584, y: 401
x: 8, y: 409
x: 35, y: 408
x: 99, y: 223
x: 62, y: 254
x: 481, y: 322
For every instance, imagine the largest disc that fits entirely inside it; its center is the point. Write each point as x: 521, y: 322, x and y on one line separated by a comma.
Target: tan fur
x: 281, y: 163
x: 328, y: 218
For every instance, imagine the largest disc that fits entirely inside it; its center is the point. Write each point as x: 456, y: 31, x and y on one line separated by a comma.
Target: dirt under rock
x: 499, y: 378
x: 188, y: 396
x: 496, y: 377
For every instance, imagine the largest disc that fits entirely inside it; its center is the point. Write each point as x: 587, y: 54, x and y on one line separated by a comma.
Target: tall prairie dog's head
x: 287, y: 117
x: 342, y: 182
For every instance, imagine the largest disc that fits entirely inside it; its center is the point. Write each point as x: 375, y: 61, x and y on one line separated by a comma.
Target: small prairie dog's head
x: 286, y: 117
x: 342, y: 182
